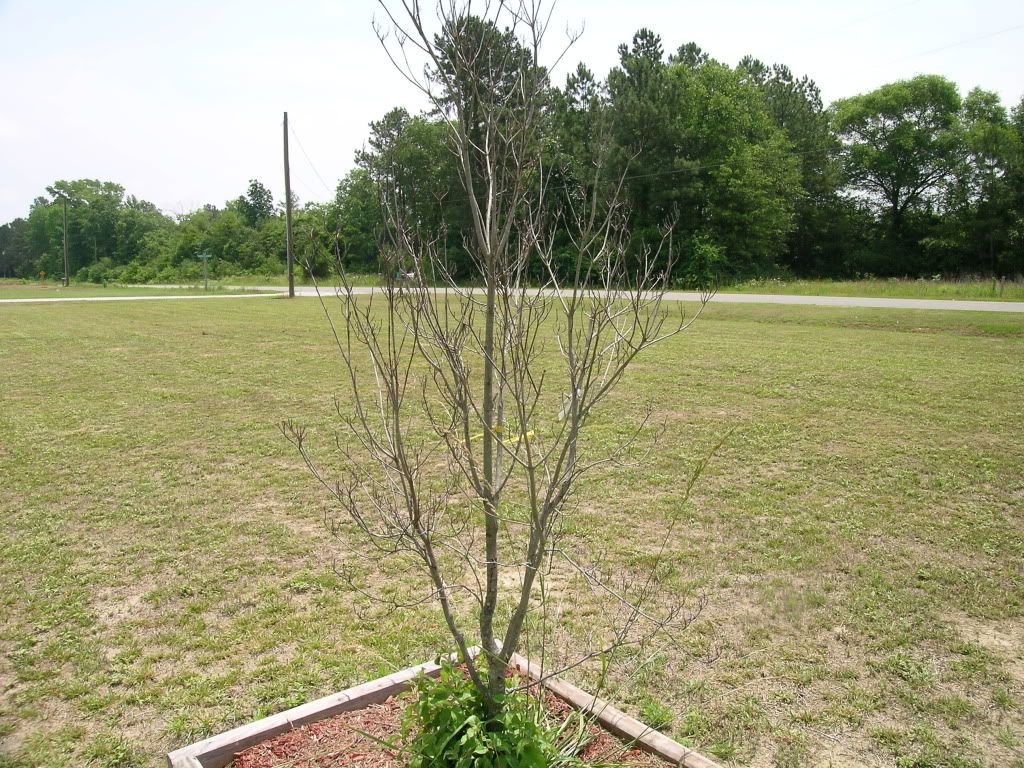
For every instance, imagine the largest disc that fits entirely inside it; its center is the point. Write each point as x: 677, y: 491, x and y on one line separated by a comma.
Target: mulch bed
x: 336, y: 741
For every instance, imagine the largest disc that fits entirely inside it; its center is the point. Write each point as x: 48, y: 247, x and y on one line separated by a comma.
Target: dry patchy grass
x: 164, y: 573
x: 21, y: 289
x: 974, y: 289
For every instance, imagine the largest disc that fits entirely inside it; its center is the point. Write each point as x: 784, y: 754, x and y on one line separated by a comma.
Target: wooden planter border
x: 218, y: 751
x: 616, y: 721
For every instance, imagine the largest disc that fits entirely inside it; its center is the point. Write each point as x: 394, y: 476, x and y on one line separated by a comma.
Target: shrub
x: 449, y: 726
x: 707, y: 263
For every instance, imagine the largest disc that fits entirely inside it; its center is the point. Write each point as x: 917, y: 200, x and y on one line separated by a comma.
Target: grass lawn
x: 974, y: 290
x: 165, y: 573
x: 16, y: 289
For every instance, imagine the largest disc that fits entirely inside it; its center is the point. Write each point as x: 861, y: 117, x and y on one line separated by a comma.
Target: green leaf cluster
x: 448, y: 726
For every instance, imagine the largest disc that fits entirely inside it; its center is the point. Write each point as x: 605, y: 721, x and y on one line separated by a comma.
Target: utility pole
x: 288, y: 214
x: 67, y: 273
x: 64, y: 199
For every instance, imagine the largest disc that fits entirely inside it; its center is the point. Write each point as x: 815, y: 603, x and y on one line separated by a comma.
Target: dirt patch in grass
x: 1004, y: 640
x: 986, y: 330
x: 116, y: 605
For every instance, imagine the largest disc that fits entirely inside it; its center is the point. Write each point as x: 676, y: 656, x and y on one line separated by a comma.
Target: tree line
x: 754, y: 174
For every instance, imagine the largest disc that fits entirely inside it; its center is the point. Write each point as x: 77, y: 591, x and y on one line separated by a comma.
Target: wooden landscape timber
x: 218, y: 751
x: 615, y: 721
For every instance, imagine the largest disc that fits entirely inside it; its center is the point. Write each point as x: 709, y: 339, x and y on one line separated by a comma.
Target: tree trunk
x: 495, y: 669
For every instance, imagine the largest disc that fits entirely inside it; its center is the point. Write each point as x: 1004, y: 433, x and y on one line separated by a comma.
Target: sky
x: 181, y: 103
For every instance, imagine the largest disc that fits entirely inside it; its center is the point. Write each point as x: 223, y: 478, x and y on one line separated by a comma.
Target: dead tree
x: 470, y: 407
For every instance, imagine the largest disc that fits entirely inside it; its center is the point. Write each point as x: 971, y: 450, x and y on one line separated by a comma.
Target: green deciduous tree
x: 902, y: 144
x: 93, y: 211
x: 15, y: 249
x: 993, y: 150
x: 257, y: 204
x: 359, y: 220
x: 1015, y: 182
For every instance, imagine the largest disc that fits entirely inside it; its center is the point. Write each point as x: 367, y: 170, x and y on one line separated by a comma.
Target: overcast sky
x: 181, y: 102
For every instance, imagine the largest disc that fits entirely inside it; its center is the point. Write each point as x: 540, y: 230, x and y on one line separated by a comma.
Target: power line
x: 461, y: 196
x: 959, y: 43
x: 310, y: 162
x: 861, y: 19
x: 695, y: 169
x: 306, y: 187
x: 628, y: 177
x: 706, y: 166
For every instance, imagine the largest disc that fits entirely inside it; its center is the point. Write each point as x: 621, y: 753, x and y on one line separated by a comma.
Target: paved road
x: 858, y: 301
x: 54, y: 300
x: 723, y: 298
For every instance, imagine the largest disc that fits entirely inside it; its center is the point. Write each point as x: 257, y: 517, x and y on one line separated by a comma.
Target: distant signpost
x: 206, y: 260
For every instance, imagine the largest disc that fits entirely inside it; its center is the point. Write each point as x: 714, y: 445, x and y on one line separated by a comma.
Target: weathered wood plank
x: 218, y: 751
x: 616, y: 721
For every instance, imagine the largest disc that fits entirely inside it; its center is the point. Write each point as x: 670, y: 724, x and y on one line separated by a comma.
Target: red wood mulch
x: 336, y: 742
